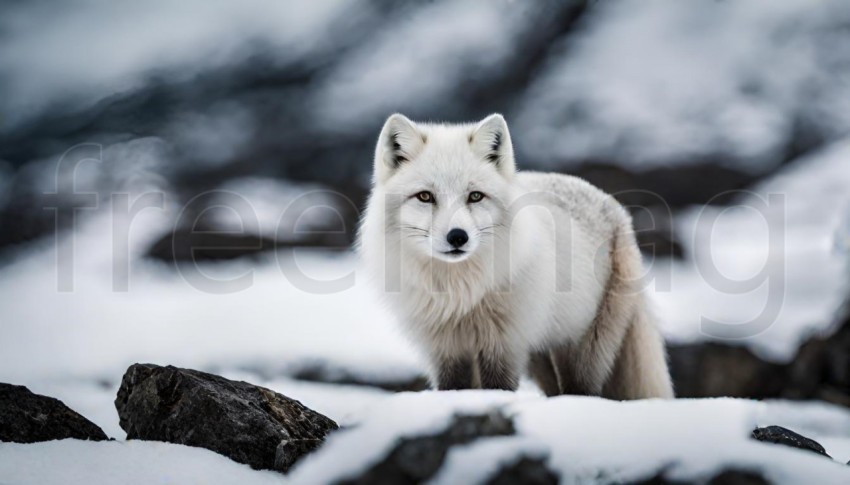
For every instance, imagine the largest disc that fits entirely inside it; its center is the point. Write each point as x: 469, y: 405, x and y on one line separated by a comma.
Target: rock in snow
x: 29, y: 418
x: 726, y: 477
x: 784, y: 436
x: 416, y: 459
x: 529, y: 471
x: 247, y: 423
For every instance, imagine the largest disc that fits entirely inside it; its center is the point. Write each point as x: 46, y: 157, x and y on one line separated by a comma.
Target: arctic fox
x: 493, y: 272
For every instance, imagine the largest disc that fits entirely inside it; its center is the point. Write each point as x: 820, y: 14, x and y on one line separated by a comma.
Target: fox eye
x: 475, y: 196
x: 426, y: 197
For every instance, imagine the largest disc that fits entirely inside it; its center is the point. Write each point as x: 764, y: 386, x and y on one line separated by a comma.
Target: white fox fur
x: 548, y: 280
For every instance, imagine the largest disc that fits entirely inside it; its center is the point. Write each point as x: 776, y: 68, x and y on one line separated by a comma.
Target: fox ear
x: 400, y: 141
x: 492, y: 141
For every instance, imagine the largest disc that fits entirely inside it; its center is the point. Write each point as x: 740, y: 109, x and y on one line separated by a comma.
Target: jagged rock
x: 416, y: 459
x: 26, y: 417
x: 247, y: 423
x: 530, y: 471
x: 784, y: 436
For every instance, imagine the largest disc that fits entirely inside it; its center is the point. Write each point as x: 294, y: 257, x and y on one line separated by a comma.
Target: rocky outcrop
x: 416, y: 459
x: 26, y: 417
x: 820, y: 370
x: 784, y: 436
x: 711, y: 369
x: 247, y: 423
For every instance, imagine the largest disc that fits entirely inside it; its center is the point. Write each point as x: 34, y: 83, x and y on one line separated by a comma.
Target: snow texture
x: 75, y: 462
x: 591, y: 439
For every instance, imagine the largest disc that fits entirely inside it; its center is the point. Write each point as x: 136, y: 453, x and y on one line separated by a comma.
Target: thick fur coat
x: 494, y: 272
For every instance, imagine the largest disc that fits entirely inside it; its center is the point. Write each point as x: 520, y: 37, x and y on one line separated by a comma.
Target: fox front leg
x: 498, y: 370
x: 454, y: 373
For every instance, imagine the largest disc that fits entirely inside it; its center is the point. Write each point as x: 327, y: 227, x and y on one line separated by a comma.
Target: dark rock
x: 29, y: 418
x: 713, y: 369
x: 185, y: 245
x: 659, y: 243
x: 525, y: 470
x: 210, y: 244
x: 715, y: 183
x: 288, y: 451
x: 247, y: 423
x: 726, y: 477
x: 821, y: 369
x: 738, y: 477
x: 322, y: 372
x: 784, y: 436
x: 416, y: 459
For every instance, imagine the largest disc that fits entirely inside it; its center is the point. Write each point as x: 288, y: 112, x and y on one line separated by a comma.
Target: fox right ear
x: 400, y: 141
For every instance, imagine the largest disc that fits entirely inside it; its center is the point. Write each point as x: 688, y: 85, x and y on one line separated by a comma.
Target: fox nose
x: 457, y: 237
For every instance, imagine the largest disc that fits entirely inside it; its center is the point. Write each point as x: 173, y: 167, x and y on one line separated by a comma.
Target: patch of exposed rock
x: 247, y: 423
x: 26, y: 417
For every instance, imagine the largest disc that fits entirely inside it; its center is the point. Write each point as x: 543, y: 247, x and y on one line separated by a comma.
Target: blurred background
x: 149, y: 149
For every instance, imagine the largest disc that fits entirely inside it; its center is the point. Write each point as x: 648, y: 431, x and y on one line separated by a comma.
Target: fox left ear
x: 492, y: 141
x: 399, y: 142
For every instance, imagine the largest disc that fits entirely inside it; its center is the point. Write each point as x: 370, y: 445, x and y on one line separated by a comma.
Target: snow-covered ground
x: 76, y: 462
x: 587, y: 439
x: 583, y: 439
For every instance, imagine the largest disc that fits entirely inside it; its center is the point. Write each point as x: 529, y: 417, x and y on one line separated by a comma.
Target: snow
x: 424, y: 54
x: 75, y: 462
x: 83, y: 52
x: 669, y: 82
x: 692, y: 437
x: 276, y: 209
x: 587, y: 439
x: 838, y: 447
x: 272, y: 323
x: 75, y: 345
x: 489, y: 456
x: 790, y: 250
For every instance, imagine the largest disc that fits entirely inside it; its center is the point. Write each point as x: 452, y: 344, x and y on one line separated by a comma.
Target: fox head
x: 446, y: 187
